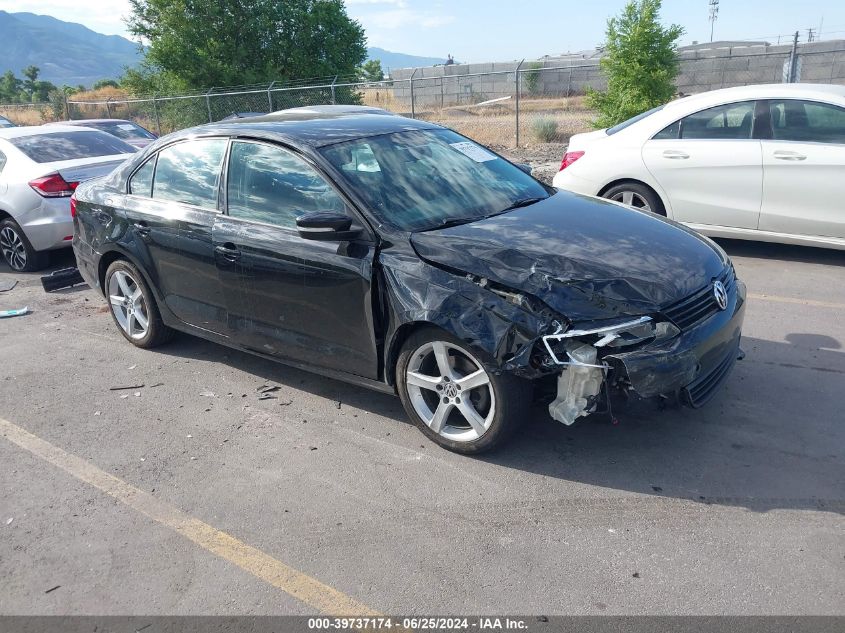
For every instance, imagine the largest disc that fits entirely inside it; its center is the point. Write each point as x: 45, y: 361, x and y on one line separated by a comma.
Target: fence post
x: 208, y: 102
x: 108, y: 107
x: 270, y: 96
x: 413, y: 105
x: 155, y: 109
x: 67, y: 109
x: 569, y: 81
x: 517, y: 100
x: 334, y: 81
x: 441, y: 90
x: 793, y: 60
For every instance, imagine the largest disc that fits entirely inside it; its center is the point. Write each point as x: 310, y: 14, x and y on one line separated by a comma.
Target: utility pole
x: 714, y: 14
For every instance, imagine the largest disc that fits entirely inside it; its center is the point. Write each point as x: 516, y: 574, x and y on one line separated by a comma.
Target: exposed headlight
x: 611, y: 334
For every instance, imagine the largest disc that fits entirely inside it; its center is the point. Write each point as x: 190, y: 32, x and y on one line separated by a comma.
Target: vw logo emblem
x: 450, y: 391
x: 720, y: 293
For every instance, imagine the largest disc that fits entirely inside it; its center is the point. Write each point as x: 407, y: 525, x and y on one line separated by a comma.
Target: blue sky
x: 492, y: 30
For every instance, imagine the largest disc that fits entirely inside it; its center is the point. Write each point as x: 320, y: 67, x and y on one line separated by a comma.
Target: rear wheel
x: 133, y: 306
x: 453, y: 398
x: 634, y: 194
x: 16, y: 249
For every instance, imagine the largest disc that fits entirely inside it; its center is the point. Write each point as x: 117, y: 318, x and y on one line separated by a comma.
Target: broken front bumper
x: 694, y: 364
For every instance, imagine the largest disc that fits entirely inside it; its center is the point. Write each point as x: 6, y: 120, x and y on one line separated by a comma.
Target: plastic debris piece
x: 5, y: 314
x: 124, y: 396
x: 6, y: 286
x: 63, y: 278
x: 126, y: 388
x: 207, y: 394
x: 97, y: 412
x: 9, y: 520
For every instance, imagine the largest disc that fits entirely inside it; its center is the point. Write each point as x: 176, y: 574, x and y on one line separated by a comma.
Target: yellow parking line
x: 293, y: 582
x: 801, y: 302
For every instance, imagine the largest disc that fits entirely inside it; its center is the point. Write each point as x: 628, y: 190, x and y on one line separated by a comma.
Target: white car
x: 40, y: 168
x: 762, y: 162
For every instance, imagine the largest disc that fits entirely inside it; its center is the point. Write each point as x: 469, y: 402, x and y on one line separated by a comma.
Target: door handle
x: 675, y: 154
x: 784, y: 155
x: 142, y: 227
x: 228, y: 251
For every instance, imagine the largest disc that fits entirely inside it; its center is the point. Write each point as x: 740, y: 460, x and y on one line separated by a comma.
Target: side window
x: 807, y: 121
x: 670, y: 131
x: 141, y: 183
x: 189, y: 172
x: 269, y: 184
x: 732, y: 121
x: 2, y: 161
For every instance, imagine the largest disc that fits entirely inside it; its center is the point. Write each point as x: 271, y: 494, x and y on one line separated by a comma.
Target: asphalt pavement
x: 187, y: 494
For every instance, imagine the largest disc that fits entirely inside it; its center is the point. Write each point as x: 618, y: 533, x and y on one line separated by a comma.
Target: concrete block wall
x: 700, y: 70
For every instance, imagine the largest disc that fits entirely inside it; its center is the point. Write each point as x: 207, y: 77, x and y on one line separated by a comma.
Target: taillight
x: 73, y: 206
x: 53, y: 186
x: 569, y: 158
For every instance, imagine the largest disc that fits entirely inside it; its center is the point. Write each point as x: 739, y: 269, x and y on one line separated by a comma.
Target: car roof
x: 36, y: 130
x: 316, y: 126
x: 759, y: 91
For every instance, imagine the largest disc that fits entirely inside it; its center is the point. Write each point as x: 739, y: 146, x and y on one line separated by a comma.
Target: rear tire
x: 17, y: 250
x: 452, y: 397
x: 133, y: 306
x: 637, y: 195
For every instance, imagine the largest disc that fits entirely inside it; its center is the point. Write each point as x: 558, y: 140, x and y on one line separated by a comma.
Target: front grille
x: 701, y: 305
x: 698, y: 393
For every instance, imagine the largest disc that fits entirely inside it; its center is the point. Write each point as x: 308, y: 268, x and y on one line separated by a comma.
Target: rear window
x: 621, y: 126
x: 57, y: 146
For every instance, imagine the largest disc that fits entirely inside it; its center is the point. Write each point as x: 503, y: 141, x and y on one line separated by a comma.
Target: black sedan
x: 404, y: 257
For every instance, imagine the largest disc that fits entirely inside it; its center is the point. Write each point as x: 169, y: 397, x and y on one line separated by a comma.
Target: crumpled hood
x: 585, y: 258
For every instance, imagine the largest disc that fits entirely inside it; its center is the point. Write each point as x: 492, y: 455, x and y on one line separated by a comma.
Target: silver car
x: 137, y: 136
x: 40, y: 168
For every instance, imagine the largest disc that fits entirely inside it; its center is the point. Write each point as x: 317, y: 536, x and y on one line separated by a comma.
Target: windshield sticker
x: 126, y: 126
x: 473, y: 151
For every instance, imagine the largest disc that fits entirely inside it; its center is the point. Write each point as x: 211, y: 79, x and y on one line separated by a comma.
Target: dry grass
x: 26, y: 115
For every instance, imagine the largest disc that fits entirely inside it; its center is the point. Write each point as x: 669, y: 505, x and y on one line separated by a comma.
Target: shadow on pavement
x: 785, y: 252
x: 771, y: 439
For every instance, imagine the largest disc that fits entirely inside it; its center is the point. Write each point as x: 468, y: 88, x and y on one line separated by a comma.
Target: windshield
x: 58, y: 146
x: 425, y: 179
x: 122, y: 129
x: 621, y: 126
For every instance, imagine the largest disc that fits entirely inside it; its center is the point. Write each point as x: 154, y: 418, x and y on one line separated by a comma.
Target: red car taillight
x: 73, y: 206
x: 53, y: 186
x: 569, y: 158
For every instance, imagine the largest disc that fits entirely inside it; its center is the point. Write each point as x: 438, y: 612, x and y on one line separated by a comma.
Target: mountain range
x: 72, y: 54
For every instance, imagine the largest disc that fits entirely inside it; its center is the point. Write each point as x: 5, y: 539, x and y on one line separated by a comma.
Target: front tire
x: 634, y: 194
x: 17, y: 250
x: 452, y: 397
x: 133, y: 307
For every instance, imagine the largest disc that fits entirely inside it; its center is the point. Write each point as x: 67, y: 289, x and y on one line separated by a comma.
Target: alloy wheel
x: 128, y: 304
x: 450, y: 391
x: 631, y: 199
x: 13, y: 248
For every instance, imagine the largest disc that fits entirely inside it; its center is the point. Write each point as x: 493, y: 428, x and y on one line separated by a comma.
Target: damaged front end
x: 584, y: 354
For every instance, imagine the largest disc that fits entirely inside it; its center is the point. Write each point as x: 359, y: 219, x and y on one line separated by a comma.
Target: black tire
x: 511, y: 396
x: 12, y: 236
x: 640, y: 193
x: 157, y: 333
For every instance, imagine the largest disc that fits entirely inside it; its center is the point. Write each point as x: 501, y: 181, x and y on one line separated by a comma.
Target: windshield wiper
x: 522, y: 202
x: 445, y: 224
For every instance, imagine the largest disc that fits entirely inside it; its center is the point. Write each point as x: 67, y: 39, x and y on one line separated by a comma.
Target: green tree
x: 532, y: 77
x: 640, y: 63
x: 371, y: 71
x: 204, y: 43
x: 30, y: 83
x: 105, y: 83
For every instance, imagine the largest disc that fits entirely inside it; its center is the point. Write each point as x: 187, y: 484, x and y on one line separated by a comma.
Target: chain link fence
x: 501, y: 105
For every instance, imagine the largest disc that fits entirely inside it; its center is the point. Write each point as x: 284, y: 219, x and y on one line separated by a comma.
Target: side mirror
x: 326, y: 226
x: 524, y: 167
